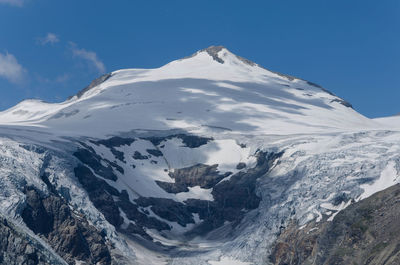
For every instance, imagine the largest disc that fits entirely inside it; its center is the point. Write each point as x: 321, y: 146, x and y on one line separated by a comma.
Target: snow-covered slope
x: 213, y: 89
x: 205, y: 160
x: 390, y: 123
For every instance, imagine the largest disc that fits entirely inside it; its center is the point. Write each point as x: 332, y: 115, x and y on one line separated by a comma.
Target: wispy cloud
x: 89, y: 56
x: 10, y: 69
x: 63, y: 78
x: 18, y: 3
x: 50, y: 38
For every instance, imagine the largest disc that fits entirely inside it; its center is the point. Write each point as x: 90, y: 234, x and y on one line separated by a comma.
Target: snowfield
x: 196, y: 94
x: 331, y: 156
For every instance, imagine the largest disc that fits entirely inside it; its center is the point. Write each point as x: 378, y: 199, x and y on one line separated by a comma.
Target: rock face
x: 17, y: 248
x: 103, y: 196
x: 198, y: 175
x: 70, y: 235
x: 367, y: 232
x: 233, y: 194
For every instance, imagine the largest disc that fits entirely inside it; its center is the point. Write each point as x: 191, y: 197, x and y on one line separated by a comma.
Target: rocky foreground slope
x: 210, y: 159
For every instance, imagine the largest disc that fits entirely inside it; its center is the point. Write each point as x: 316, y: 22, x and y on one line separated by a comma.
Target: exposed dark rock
x: 119, y: 155
x: 168, y: 209
x: 138, y: 156
x: 239, y: 191
x: 343, y: 197
x: 198, y: 175
x: 240, y: 166
x: 232, y: 198
x: 154, y: 152
x: 294, y: 246
x: 100, y: 193
x: 366, y: 232
x: 115, y: 141
x: 89, y: 157
x: 316, y: 85
x: 141, y: 220
x: 17, y: 247
x: 45, y: 179
x: 34, y: 148
x: 213, y: 52
x: 94, y: 83
x: 137, y: 230
x: 70, y: 235
x: 343, y: 102
x: 62, y: 114
x: 35, y: 215
x: 191, y: 141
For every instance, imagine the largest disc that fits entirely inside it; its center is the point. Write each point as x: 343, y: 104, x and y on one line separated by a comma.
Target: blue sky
x: 51, y: 49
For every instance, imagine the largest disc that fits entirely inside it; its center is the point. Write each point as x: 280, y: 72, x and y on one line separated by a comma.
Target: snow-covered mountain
x: 210, y: 159
x: 211, y: 89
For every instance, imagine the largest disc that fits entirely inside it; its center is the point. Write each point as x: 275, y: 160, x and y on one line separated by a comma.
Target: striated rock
x: 367, y: 232
x: 70, y: 235
x: 17, y: 247
x: 198, y: 175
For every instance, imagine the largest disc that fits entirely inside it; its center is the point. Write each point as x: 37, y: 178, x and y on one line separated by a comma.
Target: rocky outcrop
x: 154, y: 152
x: 168, y: 209
x: 67, y: 232
x: 198, y: 175
x: 17, y: 247
x: 138, y: 156
x: 191, y: 141
x: 113, y: 142
x: 89, y: 157
x: 100, y: 193
x: 109, y: 201
x: 93, y: 84
x: 366, y: 232
x: 233, y: 197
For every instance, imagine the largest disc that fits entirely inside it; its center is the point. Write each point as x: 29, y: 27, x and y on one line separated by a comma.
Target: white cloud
x: 50, y: 38
x: 58, y: 79
x: 10, y: 68
x: 90, y: 57
x: 13, y: 2
x: 62, y: 78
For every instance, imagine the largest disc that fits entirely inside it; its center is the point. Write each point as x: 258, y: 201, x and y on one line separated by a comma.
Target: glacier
x: 149, y: 158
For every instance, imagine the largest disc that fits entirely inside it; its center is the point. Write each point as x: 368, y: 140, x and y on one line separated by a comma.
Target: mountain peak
x: 213, y: 52
x: 221, y: 54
